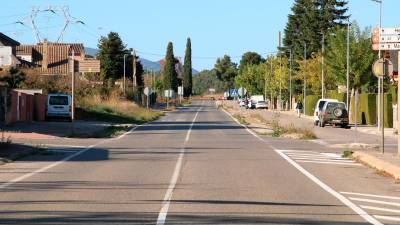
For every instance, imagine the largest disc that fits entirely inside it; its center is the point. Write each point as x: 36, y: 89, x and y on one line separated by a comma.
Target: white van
x: 59, y: 105
x: 318, y: 108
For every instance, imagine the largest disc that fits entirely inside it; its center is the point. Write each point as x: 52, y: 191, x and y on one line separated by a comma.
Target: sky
x: 216, y: 27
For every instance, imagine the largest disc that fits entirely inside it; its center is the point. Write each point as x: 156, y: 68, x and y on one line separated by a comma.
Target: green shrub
x: 333, y: 94
x: 388, y: 110
x: 366, y: 113
x: 311, y: 101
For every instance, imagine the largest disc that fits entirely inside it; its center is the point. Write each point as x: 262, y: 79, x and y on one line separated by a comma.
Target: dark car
x: 334, y: 113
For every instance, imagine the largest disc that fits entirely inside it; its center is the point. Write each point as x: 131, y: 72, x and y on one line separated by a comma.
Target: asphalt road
x: 195, y: 166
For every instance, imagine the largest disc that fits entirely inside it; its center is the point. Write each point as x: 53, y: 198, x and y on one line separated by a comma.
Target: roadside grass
x: 107, y: 132
x: 115, y: 110
x: 261, y: 119
x: 241, y: 119
x: 303, y: 133
x: 347, y: 154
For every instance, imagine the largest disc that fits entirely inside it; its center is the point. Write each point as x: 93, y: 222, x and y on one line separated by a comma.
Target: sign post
x: 180, y: 93
x: 147, y: 91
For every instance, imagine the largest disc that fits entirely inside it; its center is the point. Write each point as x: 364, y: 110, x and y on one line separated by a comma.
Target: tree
x: 361, y: 57
x: 205, y: 80
x: 309, y: 20
x: 14, y: 78
x: 187, y: 70
x: 111, y: 55
x: 250, y: 58
x: 226, y: 71
x: 170, y: 75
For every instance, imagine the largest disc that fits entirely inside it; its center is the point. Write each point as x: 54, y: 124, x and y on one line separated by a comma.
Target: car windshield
x: 58, y: 100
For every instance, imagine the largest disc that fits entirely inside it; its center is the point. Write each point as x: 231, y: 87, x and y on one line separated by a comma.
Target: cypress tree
x: 170, y: 75
x: 187, y: 70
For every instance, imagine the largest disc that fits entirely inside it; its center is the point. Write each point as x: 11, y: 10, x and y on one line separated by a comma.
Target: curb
x: 377, y: 163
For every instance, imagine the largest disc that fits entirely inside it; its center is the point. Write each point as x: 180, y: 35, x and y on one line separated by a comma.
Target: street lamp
x: 348, y: 63
x: 379, y: 56
x: 305, y: 80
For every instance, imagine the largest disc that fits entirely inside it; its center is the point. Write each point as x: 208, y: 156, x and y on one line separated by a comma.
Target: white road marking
x: 380, y: 209
x: 375, y: 201
x: 25, y: 176
x: 369, y: 195
x: 389, y: 218
x: 64, y: 146
x: 321, y: 142
x: 162, y: 216
x: 324, y: 186
x: 334, y: 163
x: 319, y: 158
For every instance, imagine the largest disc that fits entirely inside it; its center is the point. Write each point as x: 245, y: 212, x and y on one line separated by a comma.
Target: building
x: 51, y: 58
x: 8, y: 47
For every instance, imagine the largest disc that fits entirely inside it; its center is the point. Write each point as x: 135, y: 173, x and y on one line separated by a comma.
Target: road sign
x: 379, y: 70
x: 234, y: 93
x: 211, y: 90
x: 168, y: 93
x: 180, y: 90
x: 242, y: 91
x: 386, y: 46
x: 390, y: 31
x: 147, y: 91
x: 226, y: 94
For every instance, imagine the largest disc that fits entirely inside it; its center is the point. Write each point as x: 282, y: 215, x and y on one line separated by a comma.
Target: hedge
x: 366, y: 113
x: 333, y: 94
x: 311, y: 101
x: 388, y: 110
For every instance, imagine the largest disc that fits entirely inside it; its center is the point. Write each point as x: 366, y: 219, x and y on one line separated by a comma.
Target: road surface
x: 196, y: 165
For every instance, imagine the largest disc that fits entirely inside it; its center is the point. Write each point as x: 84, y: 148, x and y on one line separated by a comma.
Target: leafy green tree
x: 205, y: 80
x: 226, y: 71
x: 250, y: 58
x: 187, y: 70
x: 361, y: 57
x: 14, y: 78
x: 170, y: 75
x: 111, y: 56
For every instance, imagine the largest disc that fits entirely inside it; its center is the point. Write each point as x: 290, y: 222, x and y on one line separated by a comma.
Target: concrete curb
x: 377, y: 163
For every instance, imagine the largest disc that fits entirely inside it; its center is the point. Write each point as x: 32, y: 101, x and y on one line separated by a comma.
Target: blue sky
x: 216, y: 27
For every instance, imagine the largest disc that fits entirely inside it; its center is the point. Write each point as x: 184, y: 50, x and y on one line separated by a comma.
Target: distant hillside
x: 147, y: 64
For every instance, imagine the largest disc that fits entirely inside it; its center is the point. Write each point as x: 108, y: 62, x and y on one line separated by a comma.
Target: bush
x: 333, y: 94
x: 388, y: 110
x: 311, y: 101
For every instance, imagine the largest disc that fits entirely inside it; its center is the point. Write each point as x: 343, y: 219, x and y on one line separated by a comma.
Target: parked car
x: 59, y: 106
x: 318, y: 108
x: 242, y: 103
x: 334, y: 113
x: 254, y: 99
x: 261, y: 105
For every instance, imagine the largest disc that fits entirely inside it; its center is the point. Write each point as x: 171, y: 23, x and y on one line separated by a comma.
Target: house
x: 8, y: 51
x: 51, y: 58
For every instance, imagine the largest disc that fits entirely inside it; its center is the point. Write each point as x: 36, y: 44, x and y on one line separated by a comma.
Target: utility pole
x: 290, y: 79
x: 305, y: 78
x: 322, y: 73
x: 124, y: 84
x: 134, y: 84
x: 73, y: 86
x: 348, y: 64
x: 280, y: 71
x: 272, y: 99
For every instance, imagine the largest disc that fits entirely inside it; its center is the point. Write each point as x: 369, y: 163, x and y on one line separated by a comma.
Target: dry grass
x: 114, y: 109
x: 241, y: 119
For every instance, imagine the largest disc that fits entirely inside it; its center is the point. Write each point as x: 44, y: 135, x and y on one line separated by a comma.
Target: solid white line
x: 389, y: 218
x: 369, y: 195
x: 299, y: 151
x: 334, y: 163
x: 375, y: 201
x: 333, y: 155
x: 317, y: 157
x: 162, y: 216
x: 23, y: 177
x: 380, y: 209
x: 328, y: 189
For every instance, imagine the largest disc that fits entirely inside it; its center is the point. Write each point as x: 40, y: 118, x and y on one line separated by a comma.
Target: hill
x: 147, y: 64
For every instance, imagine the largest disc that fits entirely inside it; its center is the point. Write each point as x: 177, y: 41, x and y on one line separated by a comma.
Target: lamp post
x: 305, y: 80
x: 379, y: 56
x: 322, y: 66
x: 124, y: 83
x: 348, y: 64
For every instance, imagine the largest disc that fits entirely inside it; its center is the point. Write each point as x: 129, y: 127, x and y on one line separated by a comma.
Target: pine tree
x: 111, y: 55
x: 187, y: 70
x: 309, y: 19
x: 170, y: 75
